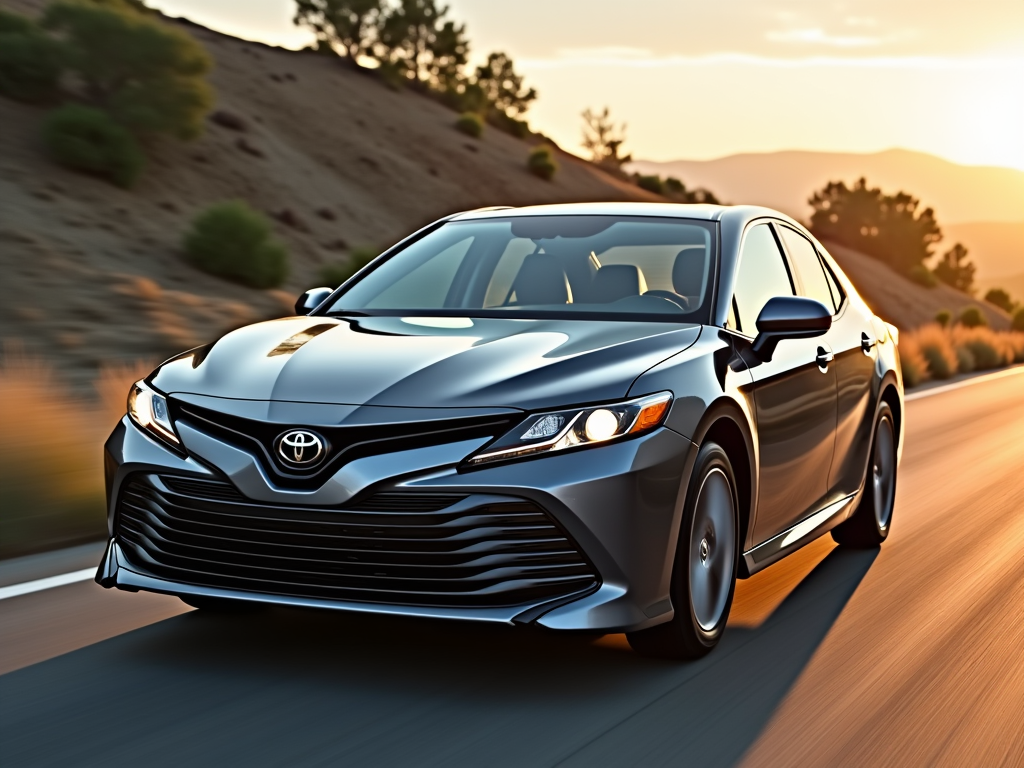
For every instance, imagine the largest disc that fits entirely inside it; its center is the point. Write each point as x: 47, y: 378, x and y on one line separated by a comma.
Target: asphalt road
x: 909, y: 656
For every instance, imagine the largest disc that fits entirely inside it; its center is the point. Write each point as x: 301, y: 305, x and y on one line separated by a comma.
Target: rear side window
x: 763, y: 275
x: 809, y: 270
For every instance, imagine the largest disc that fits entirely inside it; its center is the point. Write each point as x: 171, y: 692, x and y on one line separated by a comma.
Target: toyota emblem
x: 300, y: 448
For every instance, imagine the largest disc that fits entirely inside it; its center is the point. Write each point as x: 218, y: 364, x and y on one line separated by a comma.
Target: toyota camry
x: 585, y: 417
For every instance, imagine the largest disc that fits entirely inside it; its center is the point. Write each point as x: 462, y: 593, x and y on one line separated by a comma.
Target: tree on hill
x: 347, y: 26
x: 150, y: 77
x: 603, y: 139
x: 503, y: 87
x: 416, y: 39
x: 888, y: 227
x: 954, y: 269
x: 1001, y: 299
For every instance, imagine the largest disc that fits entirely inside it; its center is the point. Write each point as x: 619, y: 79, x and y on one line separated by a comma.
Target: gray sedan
x: 587, y: 417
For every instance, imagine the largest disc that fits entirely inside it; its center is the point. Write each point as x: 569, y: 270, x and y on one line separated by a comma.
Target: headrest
x: 688, y: 272
x: 617, y: 281
x: 541, y: 281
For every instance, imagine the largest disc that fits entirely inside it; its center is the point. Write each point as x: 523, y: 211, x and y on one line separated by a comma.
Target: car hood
x: 426, y: 362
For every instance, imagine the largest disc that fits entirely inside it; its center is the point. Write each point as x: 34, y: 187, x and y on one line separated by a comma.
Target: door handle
x: 867, y: 342
x: 825, y: 356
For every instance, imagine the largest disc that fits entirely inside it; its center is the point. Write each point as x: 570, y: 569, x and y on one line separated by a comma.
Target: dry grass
x: 51, y: 454
x: 934, y: 352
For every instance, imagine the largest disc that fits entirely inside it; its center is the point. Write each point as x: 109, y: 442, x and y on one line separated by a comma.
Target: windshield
x: 585, y: 267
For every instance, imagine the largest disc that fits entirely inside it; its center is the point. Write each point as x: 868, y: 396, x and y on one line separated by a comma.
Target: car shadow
x: 290, y: 687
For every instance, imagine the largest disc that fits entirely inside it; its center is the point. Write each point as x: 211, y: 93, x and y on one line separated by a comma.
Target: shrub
x: 150, y: 76
x: 943, y: 317
x: 937, y: 350
x: 1018, y: 320
x: 965, y: 361
x: 988, y: 348
x: 88, y: 140
x: 1001, y: 299
x: 58, y: 502
x: 651, y: 184
x: 470, y: 124
x: 541, y: 162
x: 915, y: 367
x: 30, y: 62
x: 674, y: 186
x: 337, y: 273
x: 15, y: 22
x: 921, y: 275
x: 972, y: 317
x: 233, y: 241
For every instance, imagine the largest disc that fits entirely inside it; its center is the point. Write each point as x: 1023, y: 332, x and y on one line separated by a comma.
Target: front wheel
x: 869, y: 526
x: 704, y: 573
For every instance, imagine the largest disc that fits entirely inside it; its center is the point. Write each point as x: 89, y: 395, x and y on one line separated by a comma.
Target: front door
x: 794, y: 395
x: 852, y: 341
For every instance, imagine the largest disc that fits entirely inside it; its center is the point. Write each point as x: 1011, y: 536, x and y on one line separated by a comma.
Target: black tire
x: 220, y: 604
x: 871, y: 522
x: 704, y: 572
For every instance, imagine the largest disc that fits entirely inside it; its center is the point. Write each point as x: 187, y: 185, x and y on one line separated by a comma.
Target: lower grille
x: 439, y: 550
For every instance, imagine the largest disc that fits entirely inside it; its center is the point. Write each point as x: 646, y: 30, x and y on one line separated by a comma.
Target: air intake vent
x: 442, y: 550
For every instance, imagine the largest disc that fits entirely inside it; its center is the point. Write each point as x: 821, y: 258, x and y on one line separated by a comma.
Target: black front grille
x: 345, y: 443
x: 441, y: 550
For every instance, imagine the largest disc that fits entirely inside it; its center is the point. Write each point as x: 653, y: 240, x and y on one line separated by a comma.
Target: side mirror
x: 311, y: 299
x: 789, y: 317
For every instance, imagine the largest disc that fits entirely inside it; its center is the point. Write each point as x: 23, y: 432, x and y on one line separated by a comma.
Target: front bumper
x: 619, y: 504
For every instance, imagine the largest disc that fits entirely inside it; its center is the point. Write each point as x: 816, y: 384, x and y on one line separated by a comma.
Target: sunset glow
x: 694, y: 81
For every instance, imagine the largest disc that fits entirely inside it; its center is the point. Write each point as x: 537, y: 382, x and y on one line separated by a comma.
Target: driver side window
x: 763, y: 275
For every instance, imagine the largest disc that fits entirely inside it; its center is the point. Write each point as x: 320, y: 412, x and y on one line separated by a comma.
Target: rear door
x: 794, y: 395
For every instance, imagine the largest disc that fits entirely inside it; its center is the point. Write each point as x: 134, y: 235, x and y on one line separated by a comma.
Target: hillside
x: 94, y: 274
x: 785, y: 180
x: 903, y: 302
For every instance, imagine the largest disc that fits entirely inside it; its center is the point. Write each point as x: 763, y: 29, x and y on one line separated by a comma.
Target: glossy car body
x: 797, y: 429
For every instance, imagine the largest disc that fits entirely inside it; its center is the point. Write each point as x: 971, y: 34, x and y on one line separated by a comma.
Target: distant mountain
x: 785, y: 180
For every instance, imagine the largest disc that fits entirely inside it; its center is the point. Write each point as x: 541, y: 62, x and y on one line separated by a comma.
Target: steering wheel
x: 680, y: 301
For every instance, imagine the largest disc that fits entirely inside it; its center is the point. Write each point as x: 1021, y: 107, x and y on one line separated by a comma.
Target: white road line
x: 965, y: 383
x: 50, y: 582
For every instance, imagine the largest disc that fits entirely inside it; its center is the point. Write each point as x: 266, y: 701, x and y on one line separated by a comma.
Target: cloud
x: 639, y: 58
x: 816, y: 36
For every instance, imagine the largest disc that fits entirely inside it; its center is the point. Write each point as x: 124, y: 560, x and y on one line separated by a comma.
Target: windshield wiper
x: 347, y: 313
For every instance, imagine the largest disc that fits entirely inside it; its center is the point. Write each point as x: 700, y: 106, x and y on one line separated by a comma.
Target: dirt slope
x: 93, y: 273
x: 903, y: 302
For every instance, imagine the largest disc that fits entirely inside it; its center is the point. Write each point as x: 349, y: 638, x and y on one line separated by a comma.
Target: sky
x: 694, y: 79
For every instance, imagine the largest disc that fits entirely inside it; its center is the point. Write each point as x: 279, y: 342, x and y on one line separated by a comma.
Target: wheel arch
x: 725, y: 424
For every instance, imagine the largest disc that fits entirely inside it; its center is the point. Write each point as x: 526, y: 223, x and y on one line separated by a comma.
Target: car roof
x: 671, y: 210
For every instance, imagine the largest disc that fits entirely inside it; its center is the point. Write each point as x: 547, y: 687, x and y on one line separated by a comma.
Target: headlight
x: 556, y: 431
x: 149, y: 410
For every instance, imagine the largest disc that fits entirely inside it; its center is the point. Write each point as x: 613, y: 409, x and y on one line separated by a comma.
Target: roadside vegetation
x: 60, y: 501
x: 122, y: 78
x: 935, y: 352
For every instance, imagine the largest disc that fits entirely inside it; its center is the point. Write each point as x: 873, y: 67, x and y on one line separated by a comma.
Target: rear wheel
x: 869, y: 526
x: 704, y: 573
